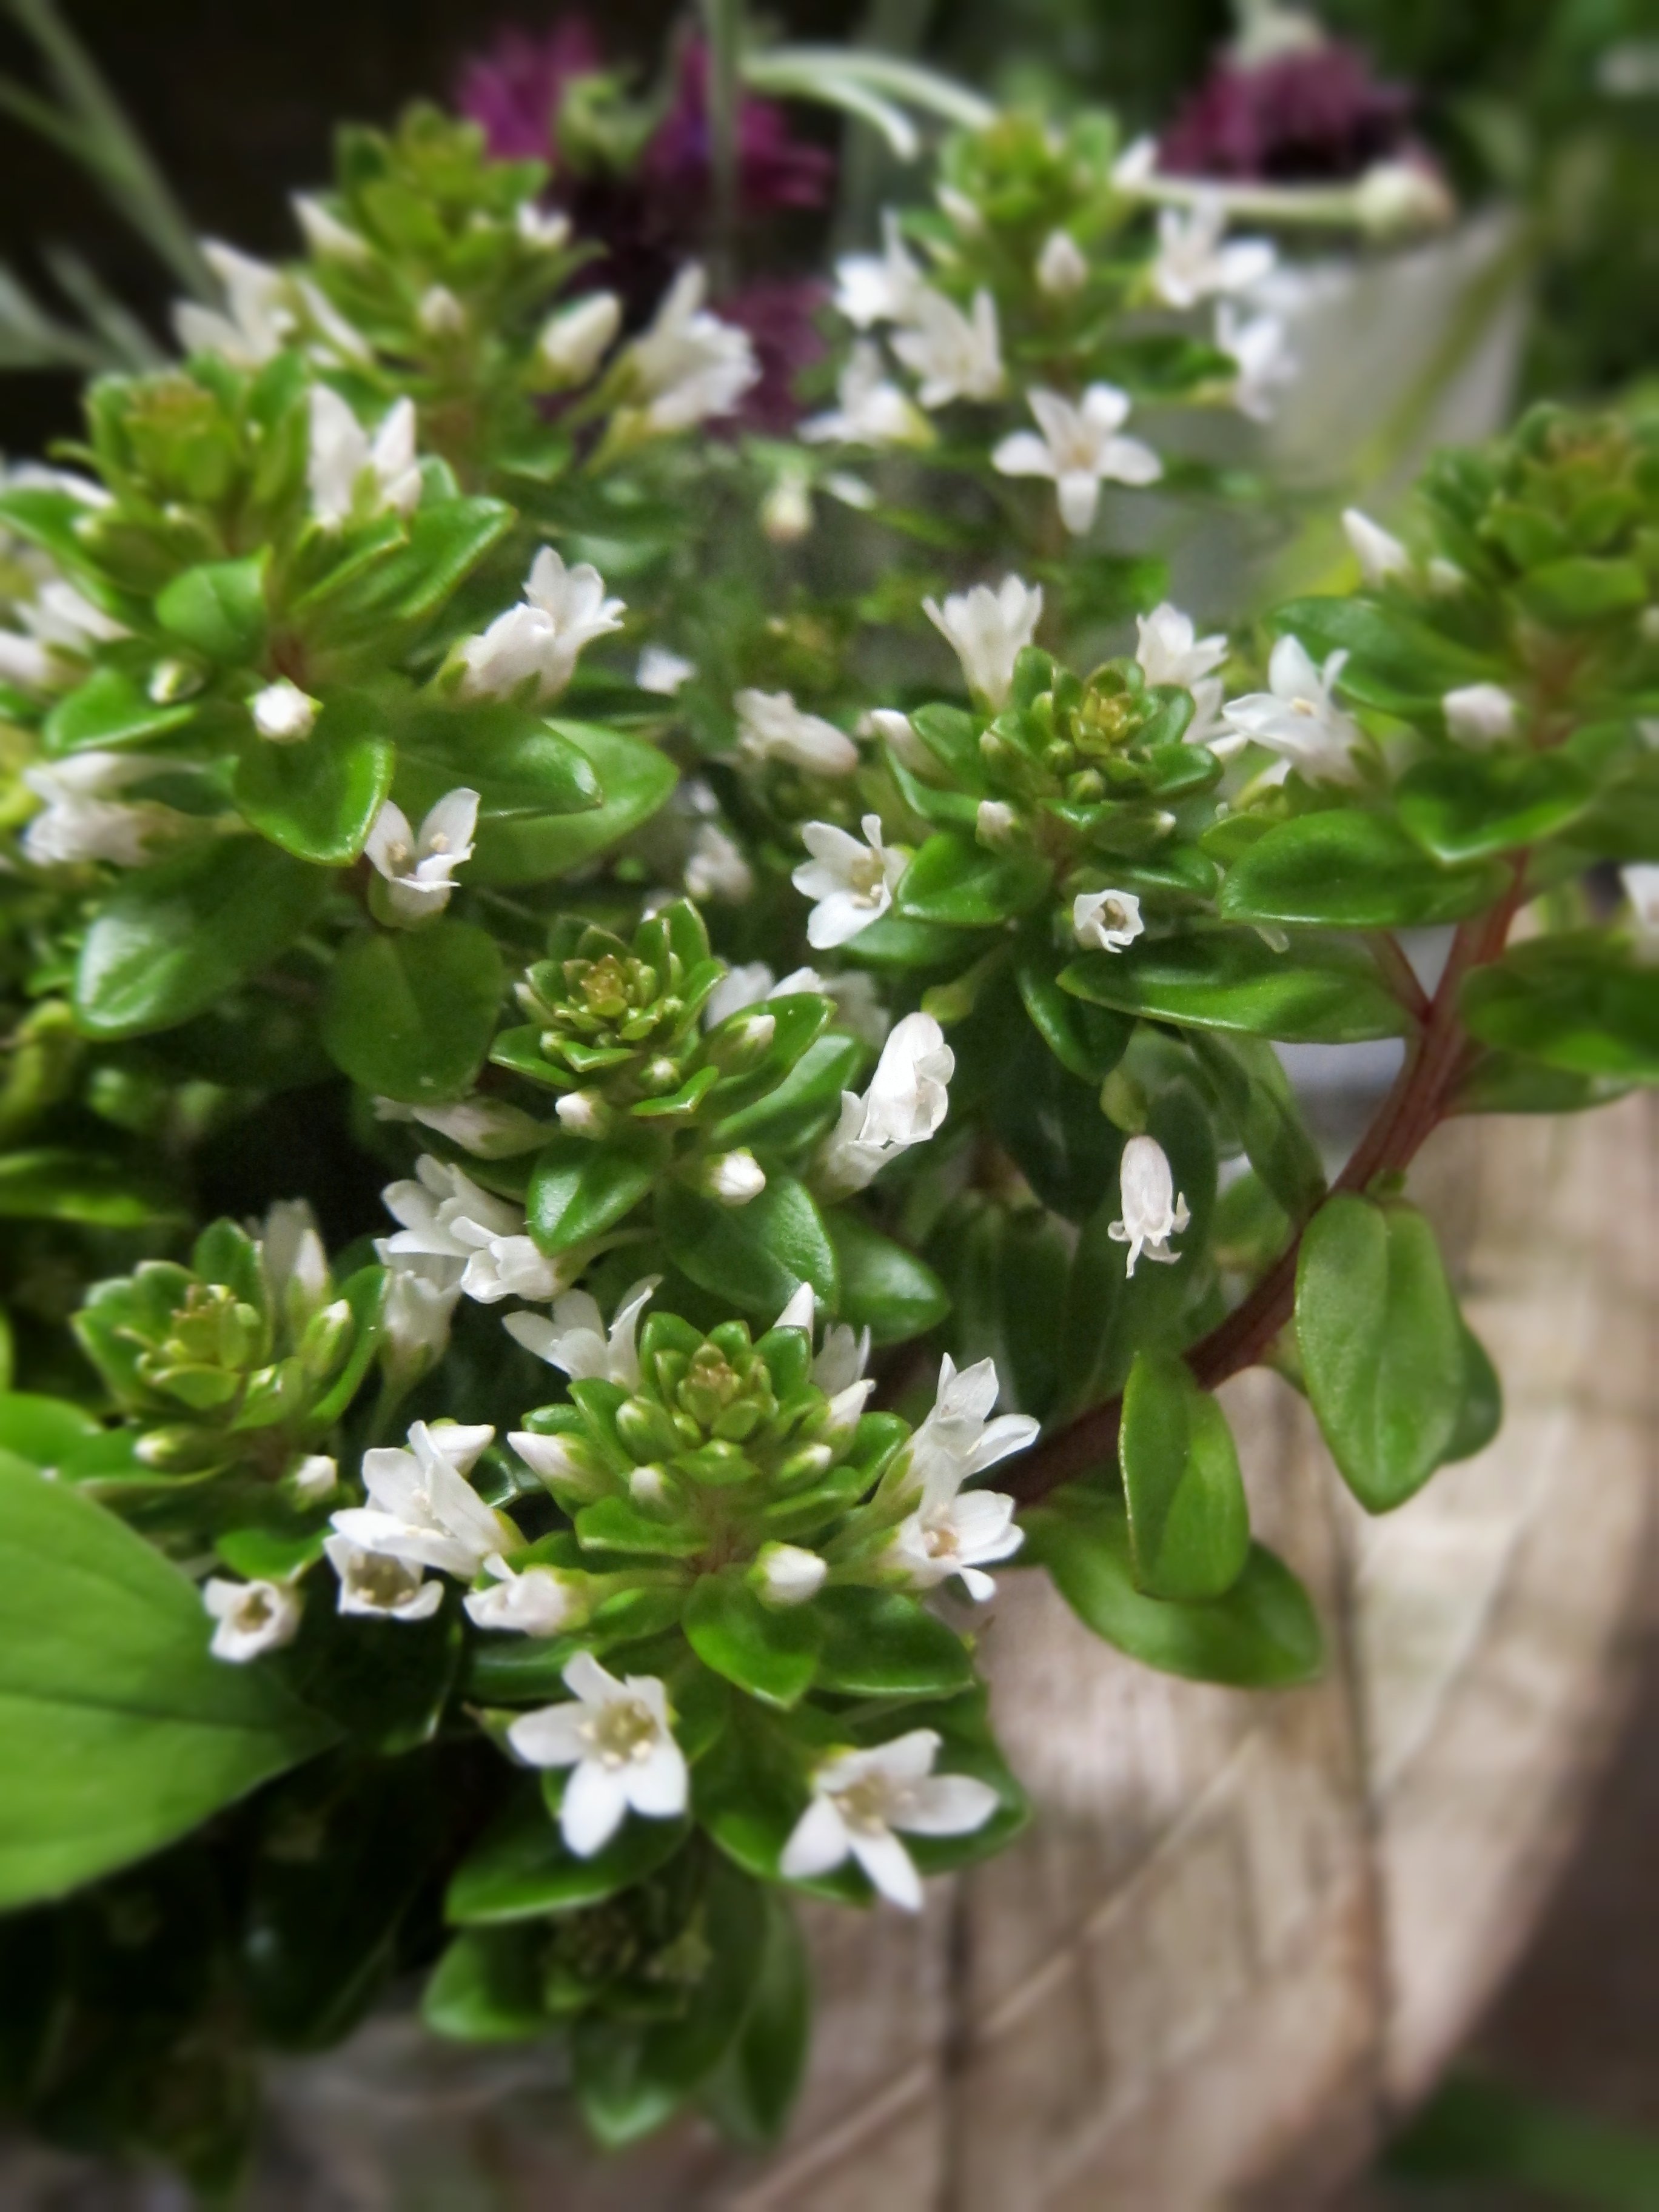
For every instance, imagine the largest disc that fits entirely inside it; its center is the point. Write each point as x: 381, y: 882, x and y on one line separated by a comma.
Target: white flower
x: 253, y: 1617
x: 423, y: 1509
x: 618, y: 1738
x: 1396, y: 196
x: 896, y: 730
x: 862, y: 1800
x: 1260, y: 355
x: 575, y: 340
x: 1061, y: 267
x: 1136, y: 163
x: 373, y: 1583
x: 785, y: 1574
x: 445, y: 1215
x: 540, y: 1601
x: 328, y: 239
x: 61, y: 615
x: 1079, y: 450
x: 958, y: 1439
x: 786, y: 513
x: 995, y: 824
x: 1106, y: 921
x: 575, y: 1341
x: 1378, y: 551
x: 715, y: 868
x: 418, y: 869
x: 1171, y: 652
x: 82, y: 821
x: 908, y: 1099
x: 689, y: 365
x: 662, y: 673
x: 771, y: 727
x: 548, y: 229
x: 1193, y: 264
x: 283, y: 713
x: 440, y: 314
x: 852, y: 884
x: 1641, y: 887
x: 838, y: 1370
x: 1480, y: 714
x: 956, y: 356
x: 422, y: 1289
x: 350, y: 472
x: 538, y: 641
x: 878, y: 287
x: 1152, y: 1211
x: 1296, y: 716
x: 987, y: 630
x: 316, y: 1476
x: 959, y: 1535
x: 296, y: 1263
x: 258, y: 319
x: 745, y: 985
x: 871, y: 410
x: 733, y: 1178
x: 487, y: 1127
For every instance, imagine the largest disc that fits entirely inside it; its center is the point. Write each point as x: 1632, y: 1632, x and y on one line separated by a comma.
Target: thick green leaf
x: 1576, y: 1002
x: 1506, y: 1083
x: 118, y: 1731
x: 534, y: 848
x: 1320, y: 991
x: 1189, y: 1527
x: 487, y: 1987
x: 1353, y: 870
x: 804, y: 1104
x: 218, y: 609
x: 1381, y: 1343
x: 1263, y: 1635
x: 754, y: 2091
x: 109, y: 710
x: 1468, y: 805
x: 579, y: 1188
x: 770, y: 1651
x: 43, y: 1431
x: 410, y: 1013
x: 169, y: 941
x: 956, y: 882
x: 55, y: 1184
x: 1394, y: 653
x: 318, y: 799
x: 1256, y: 1095
x: 1567, y: 594
x: 880, y: 1644
x: 1087, y: 1041
x: 758, y: 1255
x: 521, y: 1869
x: 519, y: 762
x: 1481, y: 1415
x: 883, y: 1287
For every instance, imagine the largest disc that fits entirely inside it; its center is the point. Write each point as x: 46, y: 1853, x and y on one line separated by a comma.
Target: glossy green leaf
x: 52, y: 1184
x: 108, y: 711
x: 883, y: 1287
x: 1382, y: 1345
x: 635, y: 780
x: 1577, y: 1002
x: 1393, y: 652
x: 486, y: 1989
x: 1353, y: 870
x: 1256, y: 1095
x: 758, y: 1255
x: 880, y: 1644
x: 1320, y: 991
x: 318, y: 799
x: 770, y: 1651
x: 1087, y: 1041
x: 754, y: 2091
x: 520, y: 764
x: 218, y: 610
x: 1481, y: 1414
x: 43, y: 1431
x: 1470, y: 805
x: 1189, y: 1527
x: 954, y: 881
x: 521, y: 1868
x: 804, y: 1103
x: 579, y: 1190
x: 410, y: 1013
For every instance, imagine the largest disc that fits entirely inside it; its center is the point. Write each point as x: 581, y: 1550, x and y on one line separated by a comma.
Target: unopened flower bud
x: 583, y: 1114
x: 172, y: 680
x: 327, y: 1335
x: 896, y: 731
x: 787, y: 1575
x: 282, y: 712
x: 1061, y: 269
x: 652, y: 1490
x: 440, y: 313
x: 786, y: 511
x: 996, y: 823
x: 1480, y: 714
x: 734, y: 1178
x: 574, y: 341
x: 1401, y: 196
x: 564, y: 1463
x: 313, y: 1477
x: 741, y: 1043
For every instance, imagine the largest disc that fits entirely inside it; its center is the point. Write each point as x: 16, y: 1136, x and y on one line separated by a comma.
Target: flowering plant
x: 588, y: 1556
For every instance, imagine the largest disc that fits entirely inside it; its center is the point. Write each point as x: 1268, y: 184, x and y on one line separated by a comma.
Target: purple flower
x: 515, y: 89
x: 774, y: 170
x: 1313, y: 115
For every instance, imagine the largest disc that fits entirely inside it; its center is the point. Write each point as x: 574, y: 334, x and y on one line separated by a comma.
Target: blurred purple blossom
x: 1317, y: 114
x: 514, y: 88
x: 781, y: 316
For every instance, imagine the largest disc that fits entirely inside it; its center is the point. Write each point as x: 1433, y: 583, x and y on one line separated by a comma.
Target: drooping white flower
x: 328, y: 239
x: 251, y: 1618
x: 490, y: 1128
x: 689, y: 365
x: 376, y: 1584
x: 870, y: 409
x: 1296, y: 716
x: 1378, y: 551
x: 1062, y: 268
x: 908, y: 1099
x: 1261, y: 358
x: 539, y: 1602
x: 418, y: 870
x: 956, y: 356
x: 1078, y: 451
x: 771, y: 727
x: 81, y: 819
x: 1481, y: 713
x: 547, y: 229
x: 785, y: 1574
x: 1171, y: 652
x: 878, y: 287
x: 282, y: 712
x: 444, y: 1214
x: 350, y: 472
x: 575, y: 340
x: 258, y: 319
x: 852, y: 884
x: 1152, y: 1211
x: 537, y: 643
x: 863, y: 1800
x: 1193, y: 264
x: 662, y: 673
x: 617, y: 1739
x: 422, y: 1289
x: 987, y: 630
x: 715, y: 868
x: 423, y: 1509
x: 576, y: 1341
x: 1106, y: 921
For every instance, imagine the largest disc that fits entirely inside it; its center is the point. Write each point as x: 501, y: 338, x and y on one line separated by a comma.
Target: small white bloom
x: 423, y: 1509
x: 734, y: 1178
x: 617, y: 1737
x: 487, y: 1127
x: 863, y: 1801
x: 374, y: 1583
x: 1193, y: 264
x: 987, y: 630
x: 283, y: 713
x: 859, y: 1008
x: 958, y: 1439
x: 61, y: 615
x: 689, y: 365
x: 443, y: 1214
x: 328, y: 239
x: 418, y: 870
x: 336, y: 339
x: 1152, y: 1211
x: 1136, y: 163
x: 852, y: 884
x: 878, y: 287
x: 440, y: 314
x: 1641, y: 887
x: 1378, y: 551
x: 316, y: 1476
x: 1480, y: 714
x: 1296, y: 717
x: 258, y: 319
x: 540, y: 1601
x: 1106, y: 921
x: 838, y: 1370
x: 1171, y: 652
x: 548, y: 229
x: 966, y: 214
x: 575, y: 340
x: 995, y: 824
x: 956, y: 356
x: 83, y: 821
x: 253, y: 1617
x: 771, y: 727
x: 1062, y: 268
x: 537, y: 643
x: 896, y: 730
x: 1399, y: 195
x: 575, y: 1341
x: 1261, y: 358
x: 663, y: 673
x: 745, y: 985
x: 715, y: 868
x: 1078, y: 451
x: 958, y: 1535
x: 422, y: 1289
x: 785, y: 1574
x: 908, y: 1099
x: 349, y: 471
x: 786, y: 513
x: 296, y: 1263
x: 870, y: 409
x: 850, y: 490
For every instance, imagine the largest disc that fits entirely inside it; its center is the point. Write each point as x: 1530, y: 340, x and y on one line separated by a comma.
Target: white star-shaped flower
x: 418, y: 868
x: 423, y: 1509
x: 906, y: 1102
x: 863, y: 1800
x: 1079, y: 450
x: 1193, y: 264
x: 538, y: 1601
x: 443, y: 1214
x: 1261, y: 358
x: 689, y: 365
x: 535, y: 646
x: 250, y: 1618
x: 987, y: 630
x: 617, y: 1738
x: 956, y: 356
x: 878, y: 287
x: 576, y: 1341
x: 258, y: 319
x: 353, y: 476
x: 771, y: 727
x: 870, y: 409
x: 381, y: 1588
x: 1170, y: 651
x: 1106, y: 921
x: 1296, y: 717
x: 852, y: 884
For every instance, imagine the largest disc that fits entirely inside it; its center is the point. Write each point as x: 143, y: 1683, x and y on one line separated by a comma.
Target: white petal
x: 594, y: 1807
x: 658, y: 1786
x: 889, y: 1865
x: 948, y: 1805
x: 817, y: 1842
x: 550, y: 1736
